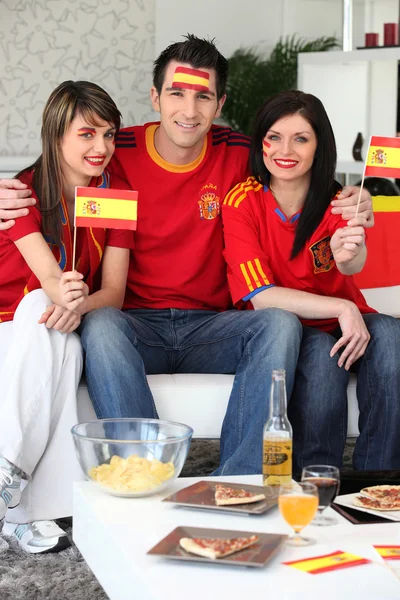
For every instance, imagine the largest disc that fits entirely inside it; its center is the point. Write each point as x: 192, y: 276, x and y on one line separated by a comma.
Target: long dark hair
x: 65, y: 102
x: 197, y: 52
x: 322, y: 183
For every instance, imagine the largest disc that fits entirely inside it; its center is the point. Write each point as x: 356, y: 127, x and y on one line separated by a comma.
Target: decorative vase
x: 357, y: 147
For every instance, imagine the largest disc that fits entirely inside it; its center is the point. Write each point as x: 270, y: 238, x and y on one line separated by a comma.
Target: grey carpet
x: 65, y: 576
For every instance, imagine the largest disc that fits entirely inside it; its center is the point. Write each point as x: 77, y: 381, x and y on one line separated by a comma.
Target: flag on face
x: 383, y: 157
x: 382, y: 267
x: 105, y: 208
x: 192, y: 79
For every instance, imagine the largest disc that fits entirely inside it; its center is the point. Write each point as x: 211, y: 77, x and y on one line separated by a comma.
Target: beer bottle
x: 277, y: 436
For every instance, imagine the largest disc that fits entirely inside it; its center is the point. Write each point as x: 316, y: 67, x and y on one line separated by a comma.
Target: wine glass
x: 327, y: 480
x: 298, y: 504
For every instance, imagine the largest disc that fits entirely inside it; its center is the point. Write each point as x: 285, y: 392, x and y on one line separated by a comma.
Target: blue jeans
x: 318, y: 406
x: 121, y: 347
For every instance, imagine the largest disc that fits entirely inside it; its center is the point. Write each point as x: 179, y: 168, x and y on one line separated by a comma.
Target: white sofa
x: 201, y: 400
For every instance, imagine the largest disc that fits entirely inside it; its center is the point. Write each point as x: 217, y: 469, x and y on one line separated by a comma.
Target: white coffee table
x: 114, y: 535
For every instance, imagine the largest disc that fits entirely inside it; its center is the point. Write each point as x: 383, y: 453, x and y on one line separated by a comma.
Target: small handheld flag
x: 383, y: 160
x: 104, y: 208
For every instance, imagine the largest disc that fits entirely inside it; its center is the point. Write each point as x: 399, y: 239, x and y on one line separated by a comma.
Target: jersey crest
x: 209, y: 205
x: 322, y: 255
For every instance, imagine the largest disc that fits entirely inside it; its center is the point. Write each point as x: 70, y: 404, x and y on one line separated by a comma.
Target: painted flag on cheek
x: 105, y: 208
x: 266, y: 147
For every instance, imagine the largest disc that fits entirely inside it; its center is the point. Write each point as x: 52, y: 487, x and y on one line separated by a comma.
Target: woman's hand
x: 346, y: 205
x: 60, y: 318
x: 355, y: 335
x: 347, y: 242
x: 73, y: 290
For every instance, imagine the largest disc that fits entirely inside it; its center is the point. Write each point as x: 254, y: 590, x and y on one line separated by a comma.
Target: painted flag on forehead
x: 383, y: 158
x: 192, y: 79
x: 105, y: 208
x: 382, y: 267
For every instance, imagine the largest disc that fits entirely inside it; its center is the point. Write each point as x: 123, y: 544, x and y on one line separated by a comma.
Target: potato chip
x: 132, y: 474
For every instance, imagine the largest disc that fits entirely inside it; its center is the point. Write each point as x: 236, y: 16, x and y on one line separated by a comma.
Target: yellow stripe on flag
x: 110, y: 208
x: 193, y: 79
x: 390, y: 157
x: 386, y: 203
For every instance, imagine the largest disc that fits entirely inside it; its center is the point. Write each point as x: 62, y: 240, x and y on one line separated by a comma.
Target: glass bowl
x: 132, y: 457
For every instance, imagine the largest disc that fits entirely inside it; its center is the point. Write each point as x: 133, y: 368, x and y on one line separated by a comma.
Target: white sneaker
x: 10, y: 486
x: 38, y: 536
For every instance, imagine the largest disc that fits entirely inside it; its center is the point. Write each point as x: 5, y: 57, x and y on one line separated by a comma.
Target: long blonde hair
x: 65, y: 102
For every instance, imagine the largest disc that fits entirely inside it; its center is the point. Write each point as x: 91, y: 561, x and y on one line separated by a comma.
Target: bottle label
x: 273, y: 455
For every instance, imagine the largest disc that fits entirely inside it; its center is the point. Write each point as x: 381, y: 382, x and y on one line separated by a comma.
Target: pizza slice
x: 227, y: 495
x: 374, y: 504
x: 383, y: 493
x: 216, y: 547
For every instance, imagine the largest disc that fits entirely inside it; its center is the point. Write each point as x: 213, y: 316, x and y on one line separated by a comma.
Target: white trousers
x: 40, y: 370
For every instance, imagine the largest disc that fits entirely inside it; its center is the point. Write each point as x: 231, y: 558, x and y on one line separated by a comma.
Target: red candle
x: 371, y: 40
x: 390, y: 34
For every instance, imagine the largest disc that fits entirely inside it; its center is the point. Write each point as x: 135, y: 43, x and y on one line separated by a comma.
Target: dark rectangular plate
x: 201, y: 495
x: 255, y: 556
x: 357, y: 517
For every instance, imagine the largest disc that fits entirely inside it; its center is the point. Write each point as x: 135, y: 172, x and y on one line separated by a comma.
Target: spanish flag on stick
x: 383, y: 158
x: 105, y: 208
x: 382, y: 267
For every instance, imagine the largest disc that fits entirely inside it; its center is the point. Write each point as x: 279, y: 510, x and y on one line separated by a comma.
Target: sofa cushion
x: 200, y: 401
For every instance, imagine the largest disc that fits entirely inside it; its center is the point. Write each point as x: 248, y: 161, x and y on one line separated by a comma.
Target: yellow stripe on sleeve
x: 247, y: 278
x: 260, y: 270
x: 254, y: 274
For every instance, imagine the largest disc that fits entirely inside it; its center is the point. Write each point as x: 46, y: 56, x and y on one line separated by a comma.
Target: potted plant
x: 253, y: 78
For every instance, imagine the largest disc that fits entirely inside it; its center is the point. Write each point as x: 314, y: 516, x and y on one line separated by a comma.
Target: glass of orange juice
x: 298, y: 504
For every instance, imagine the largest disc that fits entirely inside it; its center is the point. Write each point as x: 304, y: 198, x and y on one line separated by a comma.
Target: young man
x: 177, y: 315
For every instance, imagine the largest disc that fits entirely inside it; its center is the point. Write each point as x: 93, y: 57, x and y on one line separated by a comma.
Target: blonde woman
x: 42, y: 301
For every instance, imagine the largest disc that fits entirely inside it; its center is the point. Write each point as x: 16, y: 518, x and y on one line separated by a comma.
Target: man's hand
x: 355, y: 335
x: 61, y: 319
x: 347, y: 242
x: 14, y: 200
x: 73, y: 290
x: 346, y: 205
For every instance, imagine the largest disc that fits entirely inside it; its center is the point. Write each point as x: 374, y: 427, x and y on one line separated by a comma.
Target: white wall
x: 236, y: 23
x: 44, y: 42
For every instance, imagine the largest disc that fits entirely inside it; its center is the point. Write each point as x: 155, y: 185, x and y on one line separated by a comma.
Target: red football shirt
x: 178, y: 261
x: 15, y: 273
x: 259, y: 240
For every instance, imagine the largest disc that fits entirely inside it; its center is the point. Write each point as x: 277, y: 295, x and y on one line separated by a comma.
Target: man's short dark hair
x: 198, y: 53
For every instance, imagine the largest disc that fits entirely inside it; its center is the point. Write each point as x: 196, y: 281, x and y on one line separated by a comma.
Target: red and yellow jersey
x: 258, y: 243
x: 16, y: 278
x: 178, y: 261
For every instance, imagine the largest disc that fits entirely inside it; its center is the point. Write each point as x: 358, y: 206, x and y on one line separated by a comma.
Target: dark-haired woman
x: 42, y: 301
x: 285, y: 249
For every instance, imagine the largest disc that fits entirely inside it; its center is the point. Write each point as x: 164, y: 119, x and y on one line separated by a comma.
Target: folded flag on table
x: 383, y: 158
x: 382, y: 267
x: 106, y: 208
x: 388, y: 552
x: 327, y: 562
